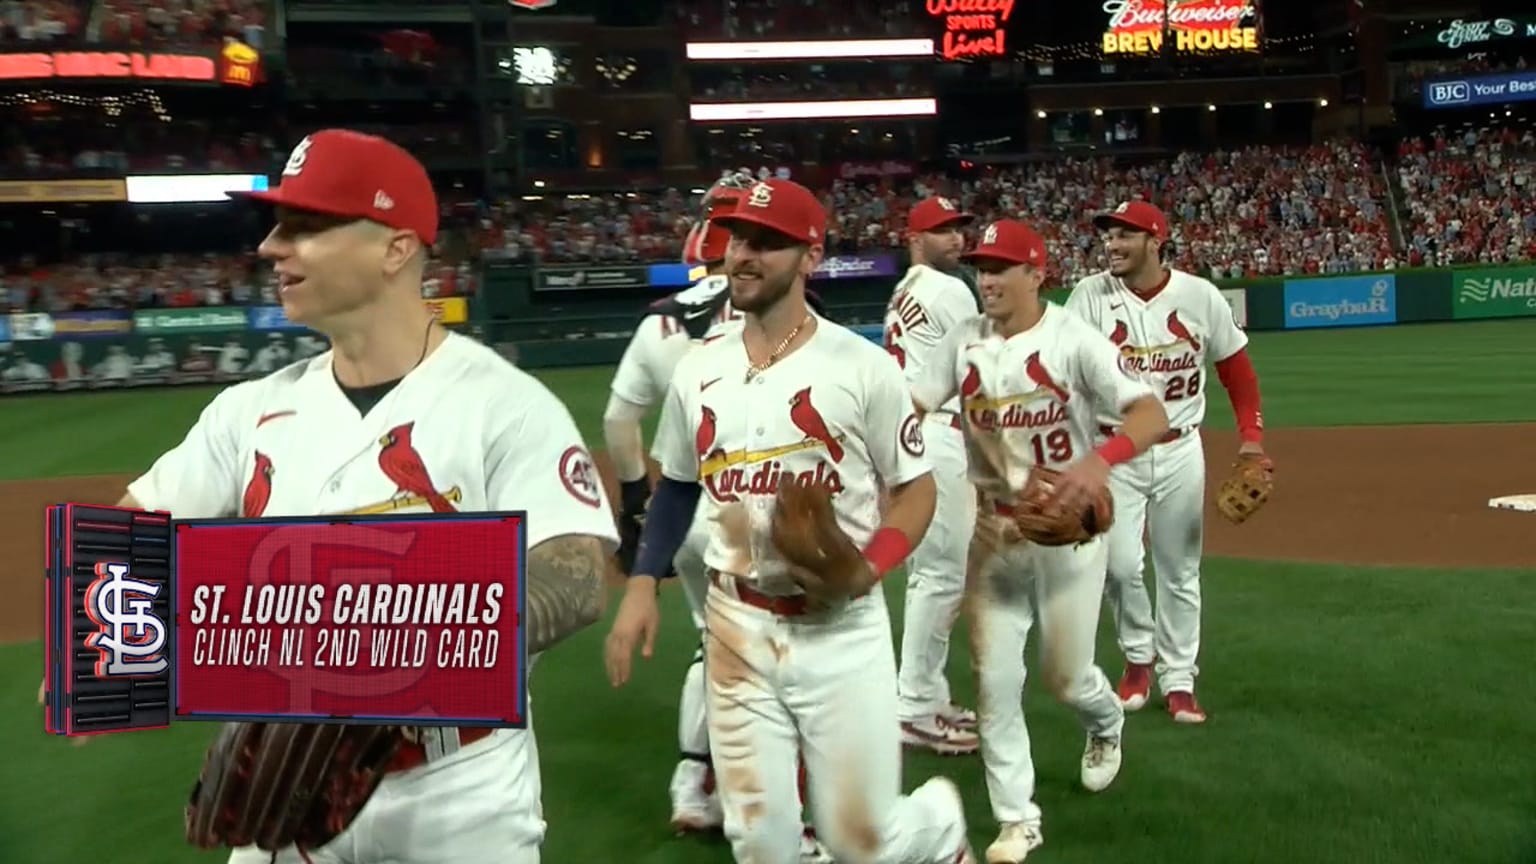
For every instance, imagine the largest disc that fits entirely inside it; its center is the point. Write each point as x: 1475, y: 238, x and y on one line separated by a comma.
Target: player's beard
x: 941, y: 255
x: 1134, y: 261
x: 756, y: 297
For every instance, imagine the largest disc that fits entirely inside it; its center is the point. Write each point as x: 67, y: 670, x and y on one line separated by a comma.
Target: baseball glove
x: 823, y: 561
x: 276, y: 785
x: 1040, y: 522
x: 1244, y: 492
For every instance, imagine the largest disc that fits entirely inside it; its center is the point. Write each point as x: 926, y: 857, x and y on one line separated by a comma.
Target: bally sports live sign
x: 410, y: 620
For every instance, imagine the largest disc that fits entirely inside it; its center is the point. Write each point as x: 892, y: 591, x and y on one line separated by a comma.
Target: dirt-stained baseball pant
x: 1016, y: 588
x: 480, y: 808
x: 1161, y: 493
x: 936, y: 576
x: 824, y: 685
x: 692, y: 729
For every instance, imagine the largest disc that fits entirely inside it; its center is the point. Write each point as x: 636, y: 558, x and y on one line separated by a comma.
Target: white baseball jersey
x: 925, y: 306
x: 1166, y: 340
x: 483, y: 434
x: 834, y: 410
x: 1029, y: 399
x: 660, y: 342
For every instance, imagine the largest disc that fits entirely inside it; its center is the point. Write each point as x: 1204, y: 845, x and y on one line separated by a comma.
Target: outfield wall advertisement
x: 1343, y: 301
x: 1506, y: 293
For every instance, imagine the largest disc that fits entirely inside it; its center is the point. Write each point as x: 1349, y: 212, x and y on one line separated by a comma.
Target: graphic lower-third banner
x: 371, y: 617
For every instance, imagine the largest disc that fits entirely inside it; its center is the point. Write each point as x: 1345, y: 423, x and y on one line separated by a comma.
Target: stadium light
x: 820, y: 49
x: 829, y: 109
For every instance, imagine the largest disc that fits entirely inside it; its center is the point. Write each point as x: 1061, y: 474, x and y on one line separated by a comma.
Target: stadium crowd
x: 1462, y: 196
x: 132, y: 22
x: 1469, y: 196
x: 709, y: 20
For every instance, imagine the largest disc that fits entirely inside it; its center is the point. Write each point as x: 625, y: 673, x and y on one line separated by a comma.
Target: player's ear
x: 811, y: 259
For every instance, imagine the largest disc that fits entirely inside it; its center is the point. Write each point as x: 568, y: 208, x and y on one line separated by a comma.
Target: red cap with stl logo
x: 931, y: 214
x: 783, y: 206
x: 1010, y: 241
x: 1137, y: 216
x: 347, y: 174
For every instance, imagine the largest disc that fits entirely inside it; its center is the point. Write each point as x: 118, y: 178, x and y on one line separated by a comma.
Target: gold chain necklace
x: 755, y: 368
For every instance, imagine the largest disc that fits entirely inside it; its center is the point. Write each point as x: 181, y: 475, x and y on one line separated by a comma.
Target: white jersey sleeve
x: 1080, y: 301
x: 891, y: 428
x: 938, y: 381
x: 1101, y: 372
x: 1226, y: 337
x: 200, y: 478
x: 673, y: 448
x: 536, y: 461
x: 649, y: 360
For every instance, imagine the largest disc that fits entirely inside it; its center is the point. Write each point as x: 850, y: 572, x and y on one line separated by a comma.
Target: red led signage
x: 972, y: 28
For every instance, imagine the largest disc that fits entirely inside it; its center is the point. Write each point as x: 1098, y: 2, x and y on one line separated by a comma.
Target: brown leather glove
x: 822, y: 559
x: 286, y: 784
x: 1039, y: 521
x: 1245, y: 492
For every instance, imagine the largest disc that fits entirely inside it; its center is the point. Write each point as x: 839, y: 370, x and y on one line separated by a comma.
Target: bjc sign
x: 972, y: 28
x: 107, y: 64
x: 1136, y: 26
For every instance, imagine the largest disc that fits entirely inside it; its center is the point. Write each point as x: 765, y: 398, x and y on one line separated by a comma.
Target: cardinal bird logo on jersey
x: 403, y: 466
x: 1038, y: 374
x: 705, y: 437
x: 258, y: 490
x: 1120, y: 334
x: 808, y: 420
x: 1179, y: 331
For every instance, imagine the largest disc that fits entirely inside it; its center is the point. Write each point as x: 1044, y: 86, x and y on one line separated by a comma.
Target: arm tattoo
x: 565, y: 588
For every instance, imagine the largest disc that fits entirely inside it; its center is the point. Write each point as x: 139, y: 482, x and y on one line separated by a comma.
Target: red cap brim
x: 727, y: 222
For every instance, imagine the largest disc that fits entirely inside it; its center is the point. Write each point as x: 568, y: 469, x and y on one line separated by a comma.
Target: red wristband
x: 886, y: 549
x: 1117, y: 449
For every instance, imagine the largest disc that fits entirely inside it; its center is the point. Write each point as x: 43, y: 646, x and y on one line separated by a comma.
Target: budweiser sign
x: 972, y: 28
x: 1138, y: 26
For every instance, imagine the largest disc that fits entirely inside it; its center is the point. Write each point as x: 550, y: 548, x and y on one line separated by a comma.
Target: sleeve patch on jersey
x: 912, y: 435
x: 580, y: 476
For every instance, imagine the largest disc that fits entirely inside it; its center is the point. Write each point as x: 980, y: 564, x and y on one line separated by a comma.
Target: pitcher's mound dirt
x: 1396, y: 495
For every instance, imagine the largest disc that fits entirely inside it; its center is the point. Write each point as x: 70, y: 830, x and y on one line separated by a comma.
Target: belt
x: 778, y: 604
x: 1170, y: 435
x: 410, y: 754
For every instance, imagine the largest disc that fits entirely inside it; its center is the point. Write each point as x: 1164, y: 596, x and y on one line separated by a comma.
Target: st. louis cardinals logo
x: 129, y: 636
x: 1014, y: 411
x: 726, y: 473
x: 414, y: 485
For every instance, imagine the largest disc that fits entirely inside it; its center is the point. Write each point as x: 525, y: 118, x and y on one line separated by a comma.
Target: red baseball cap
x: 931, y: 214
x: 1010, y: 241
x: 780, y: 205
x: 1137, y: 216
x: 343, y: 173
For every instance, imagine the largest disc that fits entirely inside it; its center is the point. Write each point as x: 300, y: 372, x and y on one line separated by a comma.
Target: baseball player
x: 400, y: 410
x: 671, y: 327
x: 791, y: 397
x: 1168, y: 324
x: 1030, y: 378
x: 927, y: 302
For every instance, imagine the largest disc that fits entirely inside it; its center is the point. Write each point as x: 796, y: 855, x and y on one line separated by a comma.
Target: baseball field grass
x: 1358, y: 713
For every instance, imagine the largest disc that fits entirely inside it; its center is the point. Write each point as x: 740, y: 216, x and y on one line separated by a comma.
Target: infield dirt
x: 1384, y: 495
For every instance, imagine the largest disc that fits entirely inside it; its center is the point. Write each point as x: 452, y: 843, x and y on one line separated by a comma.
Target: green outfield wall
x: 102, y: 349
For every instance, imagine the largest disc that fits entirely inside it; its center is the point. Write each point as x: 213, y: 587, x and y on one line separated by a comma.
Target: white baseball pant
x: 1014, y: 588
x: 1159, y: 494
x: 480, y: 807
x: 824, y: 685
x: 936, y: 576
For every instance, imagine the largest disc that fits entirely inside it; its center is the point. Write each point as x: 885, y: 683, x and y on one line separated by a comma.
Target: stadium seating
x: 1469, y: 196
x: 33, y: 23
x: 184, y: 22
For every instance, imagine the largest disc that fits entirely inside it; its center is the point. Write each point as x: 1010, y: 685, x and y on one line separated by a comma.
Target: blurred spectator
x: 61, y: 140
x: 31, y: 23
x: 179, y: 22
x: 1469, y: 196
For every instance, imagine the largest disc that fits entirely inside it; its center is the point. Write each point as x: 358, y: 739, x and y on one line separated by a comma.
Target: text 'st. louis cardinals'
x: 1029, y: 399
x: 661, y: 341
x: 926, y: 305
x: 1167, y: 340
x: 835, y: 410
